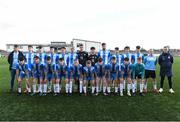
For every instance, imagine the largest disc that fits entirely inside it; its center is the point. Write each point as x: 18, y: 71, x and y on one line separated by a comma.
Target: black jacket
x: 82, y: 57
x: 165, y: 61
x: 10, y: 58
x: 93, y: 58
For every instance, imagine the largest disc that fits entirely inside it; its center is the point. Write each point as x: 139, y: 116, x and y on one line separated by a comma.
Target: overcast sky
x: 149, y: 23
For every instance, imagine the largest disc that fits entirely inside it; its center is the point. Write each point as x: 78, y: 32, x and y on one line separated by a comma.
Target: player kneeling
x: 76, y: 75
x: 89, y: 72
x: 21, y: 73
x: 100, y: 75
x: 61, y: 73
x: 38, y: 74
x: 138, y: 74
x: 126, y: 70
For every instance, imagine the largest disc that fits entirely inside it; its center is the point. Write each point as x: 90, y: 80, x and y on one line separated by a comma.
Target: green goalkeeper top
x: 138, y: 71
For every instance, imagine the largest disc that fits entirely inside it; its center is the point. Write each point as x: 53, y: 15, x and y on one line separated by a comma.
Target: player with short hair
x: 29, y: 60
x: 126, y: 70
x: 106, y: 56
x: 89, y: 72
x: 94, y: 59
x: 38, y: 74
x: 49, y: 70
x: 138, y: 74
x: 42, y: 58
x: 61, y: 73
x: 63, y: 55
x: 128, y: 55
x: 54, y: 60
x: 21, y: 73
x: 76, y: 75
x: 70, y: 62
x: 118, y: 62
x: 113, y: 70
x: 150, y: 62
x: 100, y: 75
x: 135, y: 59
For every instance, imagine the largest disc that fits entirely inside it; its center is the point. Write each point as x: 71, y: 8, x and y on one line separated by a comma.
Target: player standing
x: 106, y: 56
x: 42, y: 58
x: 150, y: 62
x: 70, y: 62
x: 128, y: 55
x: 29, y: 56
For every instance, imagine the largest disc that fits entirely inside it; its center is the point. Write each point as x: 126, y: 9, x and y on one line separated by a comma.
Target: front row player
x: 61, y: 73
x: 89, y: 73
x: 37, y: 72
x: 21, y: 73
x: 126, y: 70
x: 138, y: 75
x: 113, y: 68
x: 76, y: 73
x: 100, y: 75
x: 48, y: 70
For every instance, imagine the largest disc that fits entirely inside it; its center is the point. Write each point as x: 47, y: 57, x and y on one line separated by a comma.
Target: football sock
x: 70, y: 87
x: 67, y: 87
x: 84, y: 88
x: 80, y: 86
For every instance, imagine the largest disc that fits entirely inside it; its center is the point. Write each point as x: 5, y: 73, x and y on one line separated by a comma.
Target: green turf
x: 163, y: 106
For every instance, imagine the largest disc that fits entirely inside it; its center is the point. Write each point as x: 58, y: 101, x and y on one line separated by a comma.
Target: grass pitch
x: 153, y: 106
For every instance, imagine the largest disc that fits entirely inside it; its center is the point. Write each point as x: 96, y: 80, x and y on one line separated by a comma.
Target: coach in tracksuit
x: 165, y: 61
x: 13, y: 60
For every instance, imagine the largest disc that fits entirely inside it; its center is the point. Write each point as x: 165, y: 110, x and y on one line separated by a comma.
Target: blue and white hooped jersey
x: 128, y: 55
x: 71, y: 58
x: 105, y: 55
x: 136, y: 56
x: 64, y: 56
x: 29, y: 59
x: 150, y: 62
x: 54, y: 57
x: 42, y: 57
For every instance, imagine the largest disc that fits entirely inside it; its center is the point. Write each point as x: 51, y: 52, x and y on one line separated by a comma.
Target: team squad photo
x: 89, y: 60
x: 93, y: 73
